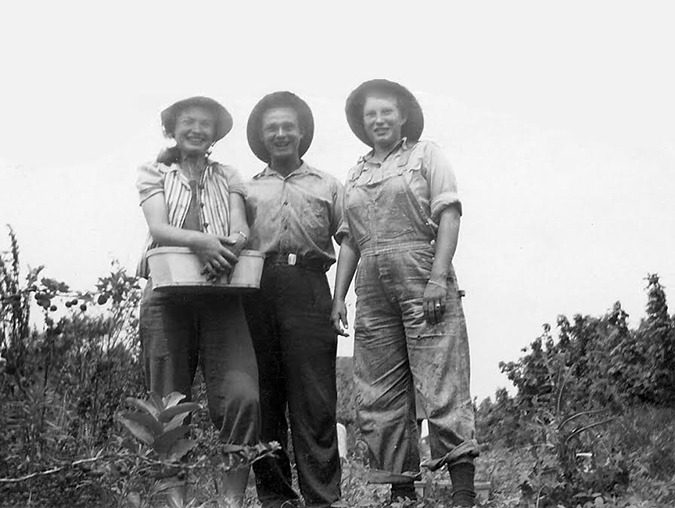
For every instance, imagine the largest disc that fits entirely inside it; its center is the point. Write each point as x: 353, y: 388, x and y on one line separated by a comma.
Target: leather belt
x: 292, y: 259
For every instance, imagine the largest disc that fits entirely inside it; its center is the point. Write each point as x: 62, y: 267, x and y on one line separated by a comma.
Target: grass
x: 644, y: 436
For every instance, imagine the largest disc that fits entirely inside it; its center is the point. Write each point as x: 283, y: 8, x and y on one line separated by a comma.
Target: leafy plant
x: 570, y: 391
x: 160, y: 424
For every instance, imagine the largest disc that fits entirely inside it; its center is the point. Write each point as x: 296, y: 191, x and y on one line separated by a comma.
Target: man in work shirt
x: 293, y: 210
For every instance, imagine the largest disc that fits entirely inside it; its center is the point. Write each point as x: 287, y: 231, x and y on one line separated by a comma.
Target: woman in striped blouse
x: 191, y: 201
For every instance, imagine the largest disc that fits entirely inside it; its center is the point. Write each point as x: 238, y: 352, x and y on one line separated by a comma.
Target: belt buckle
x: 292, y: 259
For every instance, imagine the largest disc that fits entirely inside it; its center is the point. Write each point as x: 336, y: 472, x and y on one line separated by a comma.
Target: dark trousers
x: 289, y: 319
x: 179, y: 332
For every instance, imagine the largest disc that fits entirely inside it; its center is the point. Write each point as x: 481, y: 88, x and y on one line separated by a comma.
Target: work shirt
x: 297, y: 214
x: 213, y: 197
x: 426, y: 171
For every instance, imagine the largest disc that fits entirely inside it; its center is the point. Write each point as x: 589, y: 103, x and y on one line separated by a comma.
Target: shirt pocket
x: 316, y: 221
x: 357, y: 214
x: 415, y: 175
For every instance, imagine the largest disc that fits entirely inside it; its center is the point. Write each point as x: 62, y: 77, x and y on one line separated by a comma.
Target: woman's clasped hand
x: 218, y: 254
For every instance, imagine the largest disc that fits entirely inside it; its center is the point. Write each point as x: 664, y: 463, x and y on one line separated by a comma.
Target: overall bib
x: 395, y: 350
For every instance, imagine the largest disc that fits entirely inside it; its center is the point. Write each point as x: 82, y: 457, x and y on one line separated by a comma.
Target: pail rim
x: 187, y: 250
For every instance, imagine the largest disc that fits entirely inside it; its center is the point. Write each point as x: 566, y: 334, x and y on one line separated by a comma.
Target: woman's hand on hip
x: 435, y: 299
x: 338, y: 317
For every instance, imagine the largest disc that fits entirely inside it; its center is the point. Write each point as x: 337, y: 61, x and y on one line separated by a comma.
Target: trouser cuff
x: 380, y: 476
x: 465, y: 452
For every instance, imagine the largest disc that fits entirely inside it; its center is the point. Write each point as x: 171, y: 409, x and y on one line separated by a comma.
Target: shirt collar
x: 175, y: 166
x: 402, y: 144
x: 304, y: 169
x: 208, y: 170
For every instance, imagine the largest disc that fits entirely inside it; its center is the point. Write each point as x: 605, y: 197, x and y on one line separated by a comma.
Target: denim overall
x: 395, y: 350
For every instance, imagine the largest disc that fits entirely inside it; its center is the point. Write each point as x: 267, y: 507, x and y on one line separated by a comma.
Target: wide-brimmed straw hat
x: 414, y: 125
x: 223, y: 117
x: 279, y: 100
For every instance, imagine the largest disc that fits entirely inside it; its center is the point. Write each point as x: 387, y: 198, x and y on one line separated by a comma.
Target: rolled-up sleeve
x: 235, y: 182
x: 441, y: 180
x: 149, y: 180
x: 343, y: 236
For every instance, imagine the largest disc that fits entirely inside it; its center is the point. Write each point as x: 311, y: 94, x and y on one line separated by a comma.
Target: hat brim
x: 223, y: 118
x: 411, y: 129
x: 279, y: 100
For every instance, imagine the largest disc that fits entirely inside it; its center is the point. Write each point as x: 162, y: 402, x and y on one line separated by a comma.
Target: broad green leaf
x: 149, y: 421
x: 186, y: 407
x: 166, y: 440
x: 172, y: 399
x: 156, y: 400
x: 175, y: 422
x: 178, y: 450
x: 145, y: 406
x: 138, y: 430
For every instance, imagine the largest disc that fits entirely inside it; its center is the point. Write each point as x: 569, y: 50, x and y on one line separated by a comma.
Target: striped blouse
x: 215, y: 185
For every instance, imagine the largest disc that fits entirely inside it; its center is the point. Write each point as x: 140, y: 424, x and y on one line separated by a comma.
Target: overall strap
x: 402, y: 168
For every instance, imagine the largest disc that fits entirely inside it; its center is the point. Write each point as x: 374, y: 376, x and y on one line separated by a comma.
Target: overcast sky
x: 559, y: 122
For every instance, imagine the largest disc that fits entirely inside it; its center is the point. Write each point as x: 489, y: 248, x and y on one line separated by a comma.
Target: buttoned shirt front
x: 298, y: 214
x: 212, y: 192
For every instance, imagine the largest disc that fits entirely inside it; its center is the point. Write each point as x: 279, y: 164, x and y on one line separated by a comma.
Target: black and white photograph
x: 337, y: 254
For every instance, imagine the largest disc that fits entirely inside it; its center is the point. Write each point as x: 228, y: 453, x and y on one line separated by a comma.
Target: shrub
x: 573, y: 404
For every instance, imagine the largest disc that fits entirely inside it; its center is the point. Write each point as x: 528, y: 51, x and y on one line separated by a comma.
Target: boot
x: 234, y: 487
x: 463, y: 490
x: 404, y: 491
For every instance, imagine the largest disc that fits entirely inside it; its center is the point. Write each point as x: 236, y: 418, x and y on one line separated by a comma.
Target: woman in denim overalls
x: 402, y: 216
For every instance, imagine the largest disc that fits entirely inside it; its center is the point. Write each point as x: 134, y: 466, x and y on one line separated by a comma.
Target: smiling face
x: 195, y: 130
x: 383, y: 120
x: 281, y: 133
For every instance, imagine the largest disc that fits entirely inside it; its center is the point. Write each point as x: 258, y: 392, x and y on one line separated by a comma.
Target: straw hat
x: 279, y: 100
x: 413, y: 127
x: 223, y: 117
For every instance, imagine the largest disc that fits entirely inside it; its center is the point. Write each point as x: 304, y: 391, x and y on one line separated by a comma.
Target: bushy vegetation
x: 67, y: 377
x: 62, y: 382
x: 593, y: 407
x: 590, y: 420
